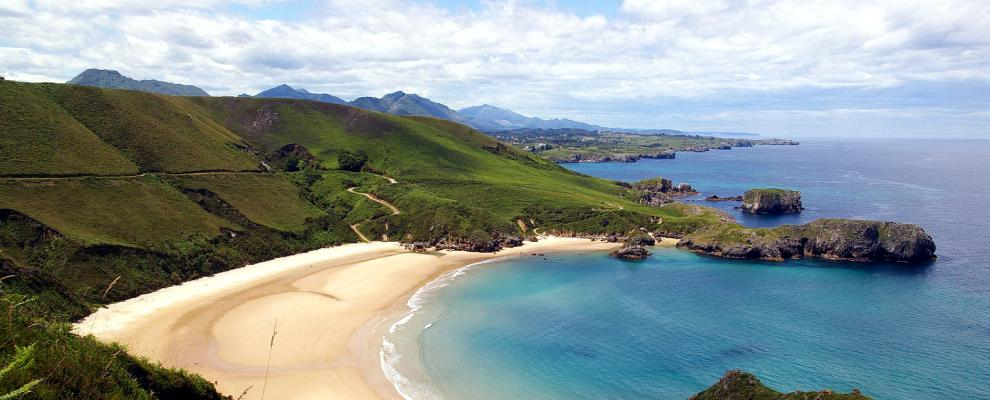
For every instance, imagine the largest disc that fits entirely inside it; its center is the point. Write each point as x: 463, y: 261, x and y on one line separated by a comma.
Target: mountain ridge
x: 111, y: 79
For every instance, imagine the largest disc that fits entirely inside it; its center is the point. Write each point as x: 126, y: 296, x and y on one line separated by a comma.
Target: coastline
x: 333, y: 307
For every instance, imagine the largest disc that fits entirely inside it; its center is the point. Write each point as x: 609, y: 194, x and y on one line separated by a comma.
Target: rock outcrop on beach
x: 739, y: 385
x: 771, y: 201
x: 634, y: 248
x: 832, y: 239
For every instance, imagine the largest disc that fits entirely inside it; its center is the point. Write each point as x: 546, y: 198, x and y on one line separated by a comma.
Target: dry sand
x: 331, y: 306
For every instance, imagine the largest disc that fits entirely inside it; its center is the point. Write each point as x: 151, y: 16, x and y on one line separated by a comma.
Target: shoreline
x: 332, y: 307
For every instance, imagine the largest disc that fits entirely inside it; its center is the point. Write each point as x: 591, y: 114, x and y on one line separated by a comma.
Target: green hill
x: 39, y: 137
x: 107, y: 194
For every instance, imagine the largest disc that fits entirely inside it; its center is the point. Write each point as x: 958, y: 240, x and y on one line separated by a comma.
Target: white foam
x: 390, y: 355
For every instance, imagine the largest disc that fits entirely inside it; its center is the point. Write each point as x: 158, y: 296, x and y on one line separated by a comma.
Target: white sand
x: 331, y: 305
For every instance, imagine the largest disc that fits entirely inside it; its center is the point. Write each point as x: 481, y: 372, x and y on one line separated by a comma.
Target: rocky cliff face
x: 832, y: 239
x: 659, y: 191
x: 772, y: 201
x: 738, y: 385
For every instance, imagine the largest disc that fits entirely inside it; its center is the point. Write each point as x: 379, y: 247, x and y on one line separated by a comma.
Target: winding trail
x: 394, y: 209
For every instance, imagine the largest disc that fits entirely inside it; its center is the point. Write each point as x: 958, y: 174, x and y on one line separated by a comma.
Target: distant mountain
x: 401, y: 103
x: 490, y: 118
x: 106, y: 78
x: 288, y: 92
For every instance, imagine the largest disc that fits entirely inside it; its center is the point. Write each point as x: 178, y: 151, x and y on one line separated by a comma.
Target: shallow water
x: 585, y: 326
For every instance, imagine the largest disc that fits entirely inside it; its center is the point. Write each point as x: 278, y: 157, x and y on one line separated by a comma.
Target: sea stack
x: 772, y: 201
x: 739, y: 385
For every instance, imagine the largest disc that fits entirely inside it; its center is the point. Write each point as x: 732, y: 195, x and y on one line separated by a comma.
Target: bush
x: 353, y: 162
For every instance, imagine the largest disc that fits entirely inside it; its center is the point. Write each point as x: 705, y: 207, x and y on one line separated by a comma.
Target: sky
x: 886, y: 68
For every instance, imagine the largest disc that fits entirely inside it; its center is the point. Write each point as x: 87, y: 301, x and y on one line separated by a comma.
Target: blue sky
x: 779, y: 67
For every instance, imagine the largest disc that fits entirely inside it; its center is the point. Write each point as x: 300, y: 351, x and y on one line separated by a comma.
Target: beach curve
x: 332, y: 307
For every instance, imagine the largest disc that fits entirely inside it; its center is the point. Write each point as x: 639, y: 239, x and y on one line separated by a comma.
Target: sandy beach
x: 330, y: 308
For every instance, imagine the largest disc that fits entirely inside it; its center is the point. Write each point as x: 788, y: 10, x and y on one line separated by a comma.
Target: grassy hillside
x: 134, y: 211
x: 158, y: 133
x: 38, y: 137
x: 265, y: 199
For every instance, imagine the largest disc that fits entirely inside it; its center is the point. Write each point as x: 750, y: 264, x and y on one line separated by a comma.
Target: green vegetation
x: 575, y: 145
x: 165, y: 189
x: 133, y: 212
x: 41, y: 359
x: 158, y: 133
x: 265, y: 199
x: 752, y: 194
x: 38, y: 137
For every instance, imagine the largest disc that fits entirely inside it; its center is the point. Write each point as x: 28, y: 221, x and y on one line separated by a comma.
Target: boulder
x: 739, y: 385
x: 715, y: 197
x: 771, y: 201
x: 631, y: 253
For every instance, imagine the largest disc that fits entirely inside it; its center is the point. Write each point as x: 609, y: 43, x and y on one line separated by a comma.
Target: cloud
x: 519, y: 54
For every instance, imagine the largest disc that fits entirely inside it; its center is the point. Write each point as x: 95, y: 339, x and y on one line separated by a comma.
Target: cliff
x: 832, y: 239
x: 738, y: 385
x: 771, y: 201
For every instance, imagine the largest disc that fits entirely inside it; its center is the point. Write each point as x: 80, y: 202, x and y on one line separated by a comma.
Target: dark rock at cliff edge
x: 833, y: 239
x: 738, y: 385
x: 772, y: 201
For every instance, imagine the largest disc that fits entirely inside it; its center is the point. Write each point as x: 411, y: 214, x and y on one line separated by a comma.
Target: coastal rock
x: 739, y: 385
x: 641, y: 239
x: 660, y: 191
x: 832, y: 239
x: 779, y: 142
x: 715, y: 197
x: 867, y: 240
x: 631, y: 253
x: 634, y: 247
x: 771, y: 201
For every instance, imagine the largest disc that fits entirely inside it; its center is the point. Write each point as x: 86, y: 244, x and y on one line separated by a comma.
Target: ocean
x: 587, y: 326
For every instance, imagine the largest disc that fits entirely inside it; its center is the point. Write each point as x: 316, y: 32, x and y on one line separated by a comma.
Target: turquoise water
x: 586, y: 326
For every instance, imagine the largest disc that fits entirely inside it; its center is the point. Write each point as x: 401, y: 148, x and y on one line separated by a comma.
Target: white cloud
x: 514, y: 53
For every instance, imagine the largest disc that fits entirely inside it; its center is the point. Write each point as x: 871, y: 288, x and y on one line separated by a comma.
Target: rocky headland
x: 739, y: 385
x: 832, y: 239
x: 771, y: 201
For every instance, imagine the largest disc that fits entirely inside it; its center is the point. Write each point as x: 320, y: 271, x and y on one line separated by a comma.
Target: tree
x: 351, y: 161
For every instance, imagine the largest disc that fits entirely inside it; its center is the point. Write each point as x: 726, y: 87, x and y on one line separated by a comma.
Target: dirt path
x: 395, y: 211
x: 354, y: 227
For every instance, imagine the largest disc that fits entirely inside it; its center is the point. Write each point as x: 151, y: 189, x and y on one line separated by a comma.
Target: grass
x: 38, y: 137
x: 66, y: 366
x: 158, y: 133
x: 133, y: 212
x: 269, y: 200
